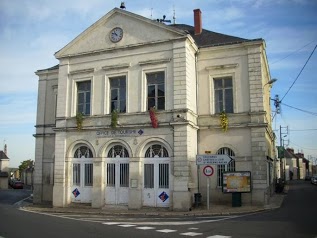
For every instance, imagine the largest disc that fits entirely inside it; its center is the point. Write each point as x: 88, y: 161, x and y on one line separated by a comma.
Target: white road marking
x: 166, y: 231
x: 111, y: 223
x: 193, y: 228
x: 219, y: 236
x: 19, y: 202
x: 191, y: 234
x: 145, y: 228
x: 126, y: 225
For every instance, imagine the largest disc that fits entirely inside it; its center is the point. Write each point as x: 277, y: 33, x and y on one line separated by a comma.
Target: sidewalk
x: 275, y: 202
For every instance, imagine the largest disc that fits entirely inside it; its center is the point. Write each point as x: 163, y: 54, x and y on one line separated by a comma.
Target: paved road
x: 11, y: 196
x: 296, y: 218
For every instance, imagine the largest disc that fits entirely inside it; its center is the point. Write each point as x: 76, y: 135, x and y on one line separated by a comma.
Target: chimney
x: 5, y: 149
x: 197, y: 22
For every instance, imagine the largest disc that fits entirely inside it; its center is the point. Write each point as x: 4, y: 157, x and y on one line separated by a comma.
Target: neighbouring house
x: 132, y: 102
x: 4, y: 168
x: 14, y: 173
x: 295, y: 164
x: 27, y: 175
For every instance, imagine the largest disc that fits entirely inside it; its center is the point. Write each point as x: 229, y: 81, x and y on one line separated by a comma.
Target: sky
x: 32, y: 31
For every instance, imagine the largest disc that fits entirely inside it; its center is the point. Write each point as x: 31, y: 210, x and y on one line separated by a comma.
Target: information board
x: 236, y: 182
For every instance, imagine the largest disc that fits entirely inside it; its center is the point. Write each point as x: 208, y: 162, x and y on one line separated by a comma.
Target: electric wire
x: 311, y: 113
x: 299, y: 73
x: 292, y: 52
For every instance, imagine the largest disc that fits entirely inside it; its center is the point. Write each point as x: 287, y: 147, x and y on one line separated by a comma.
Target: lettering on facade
x: 120, y: 133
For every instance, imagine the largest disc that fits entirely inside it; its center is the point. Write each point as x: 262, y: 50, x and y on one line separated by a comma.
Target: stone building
x: 97, y: 143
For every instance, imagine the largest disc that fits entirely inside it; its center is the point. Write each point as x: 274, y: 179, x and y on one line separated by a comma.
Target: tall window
x: 223, y: 94
x: 80, y: 164
x: 83, y: 97
x: 118, y: 151
x: 222, y: 168
x: 118, y: 93
x: 156, y: 90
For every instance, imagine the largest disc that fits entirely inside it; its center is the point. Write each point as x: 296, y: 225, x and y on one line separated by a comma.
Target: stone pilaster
x: 135, y: 189
x: 259, y: 166
x: 98, y: 190
x: 183, y: 155
x: 60, y: 190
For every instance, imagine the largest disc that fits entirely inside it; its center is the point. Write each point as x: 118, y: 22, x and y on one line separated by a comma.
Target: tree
x: 25, y: 164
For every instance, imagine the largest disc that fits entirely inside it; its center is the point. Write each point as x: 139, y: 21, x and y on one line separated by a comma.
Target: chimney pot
x: 197, y: 21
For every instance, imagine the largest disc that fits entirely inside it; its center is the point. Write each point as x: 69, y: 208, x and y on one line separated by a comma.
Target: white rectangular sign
x: 213, y: 159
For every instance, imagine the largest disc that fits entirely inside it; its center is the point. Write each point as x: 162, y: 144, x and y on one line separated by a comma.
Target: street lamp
x: 270, y: 82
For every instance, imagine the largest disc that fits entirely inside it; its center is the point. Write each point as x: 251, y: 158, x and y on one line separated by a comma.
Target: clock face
x: 116, y: 34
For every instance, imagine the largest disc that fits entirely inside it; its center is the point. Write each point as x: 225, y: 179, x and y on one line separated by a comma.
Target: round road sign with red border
x: 208, y: 170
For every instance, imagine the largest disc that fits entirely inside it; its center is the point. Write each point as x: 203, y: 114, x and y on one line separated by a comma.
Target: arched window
x: 222, y: 168
x: 118, y: 151
x: 83, y: 152
x: 116, y: 167
x: 156, y: 151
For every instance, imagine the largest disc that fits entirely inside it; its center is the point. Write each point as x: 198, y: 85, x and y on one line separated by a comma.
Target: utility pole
x: 281, y: 153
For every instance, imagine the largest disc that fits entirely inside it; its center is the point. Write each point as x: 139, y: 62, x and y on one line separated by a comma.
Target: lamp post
x: 270, y: 82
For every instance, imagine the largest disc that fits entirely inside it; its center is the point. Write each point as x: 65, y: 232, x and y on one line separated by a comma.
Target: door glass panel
x: 124, y: 175
x: 148, y: 175
x: 88, y: 174
x: 111, y: 175
x: 76, y: 174
x: 163, y: 175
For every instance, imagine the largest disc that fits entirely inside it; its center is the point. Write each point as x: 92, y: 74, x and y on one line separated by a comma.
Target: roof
x: 210, y: 38
x: 288, y: 154
x: 3, y: 155
x: 51, y: 68
x: 205, y: 39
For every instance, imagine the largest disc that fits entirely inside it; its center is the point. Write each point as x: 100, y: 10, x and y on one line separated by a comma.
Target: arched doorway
x: 82, y: 175
x: 156, y: 177
x: 117, y: 175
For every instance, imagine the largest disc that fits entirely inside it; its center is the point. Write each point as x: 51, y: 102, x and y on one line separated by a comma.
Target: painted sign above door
x: 120, y: 133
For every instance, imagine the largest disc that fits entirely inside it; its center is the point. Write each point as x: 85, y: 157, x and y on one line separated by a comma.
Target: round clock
x: 116, y: 34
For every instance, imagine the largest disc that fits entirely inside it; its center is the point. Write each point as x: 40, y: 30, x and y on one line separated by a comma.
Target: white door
x: 117, y: 190
x: 156, y: 178
x: 82, y: 176
x: 117, y: 176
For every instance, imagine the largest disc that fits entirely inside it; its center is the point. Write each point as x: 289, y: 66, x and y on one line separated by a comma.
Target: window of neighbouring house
x: 223, y: 168
x: 156, y: 90
x: 223, y: 94
x: 118, y: 93
x: 83, y: 97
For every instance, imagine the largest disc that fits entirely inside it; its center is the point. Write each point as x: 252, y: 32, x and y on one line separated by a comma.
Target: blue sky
x: 32, y: 31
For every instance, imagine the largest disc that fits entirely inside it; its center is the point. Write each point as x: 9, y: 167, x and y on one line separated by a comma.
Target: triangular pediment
x: 137, y: 30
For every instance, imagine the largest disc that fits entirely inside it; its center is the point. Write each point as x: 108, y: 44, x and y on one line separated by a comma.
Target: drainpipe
x: 197, y: 98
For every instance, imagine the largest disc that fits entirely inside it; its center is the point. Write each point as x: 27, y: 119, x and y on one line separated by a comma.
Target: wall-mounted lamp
x: 271, y: 81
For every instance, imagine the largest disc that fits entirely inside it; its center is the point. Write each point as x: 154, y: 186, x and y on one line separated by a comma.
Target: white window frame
x: 107, y: 91
x: 75, y: 93
x: 144, y: 87
x: 223, y: 74
x: 223, y: 90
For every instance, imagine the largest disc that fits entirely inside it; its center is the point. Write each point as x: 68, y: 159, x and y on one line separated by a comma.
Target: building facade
x: 131, y: 103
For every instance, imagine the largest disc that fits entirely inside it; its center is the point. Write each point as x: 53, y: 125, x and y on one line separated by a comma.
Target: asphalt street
x: 295, y: 218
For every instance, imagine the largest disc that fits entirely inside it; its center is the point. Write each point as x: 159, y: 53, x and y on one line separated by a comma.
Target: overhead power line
x: 292, y: 52
x: 311, y: 113
x: 304, y: 130
x: 299, y: 73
